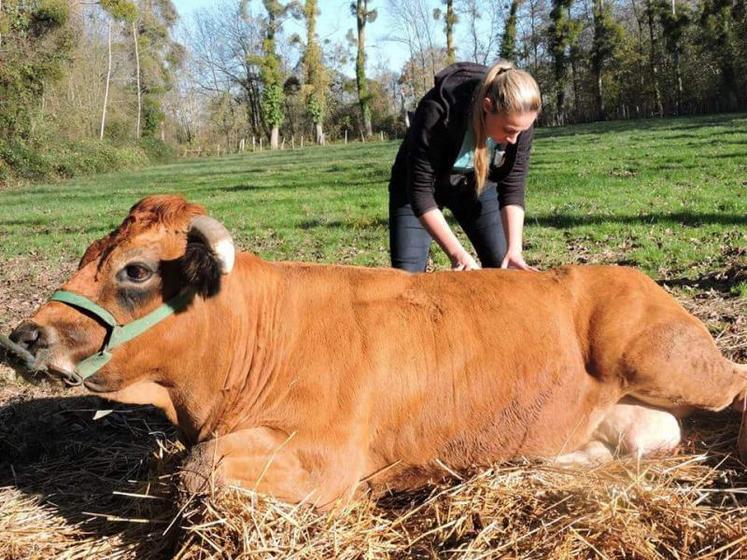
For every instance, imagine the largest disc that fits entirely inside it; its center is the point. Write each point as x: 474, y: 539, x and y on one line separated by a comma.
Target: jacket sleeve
x: 423, y: 149
x: 511, y: 188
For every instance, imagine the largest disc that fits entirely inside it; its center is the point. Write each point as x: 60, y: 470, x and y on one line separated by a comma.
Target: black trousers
x: 480, y: 218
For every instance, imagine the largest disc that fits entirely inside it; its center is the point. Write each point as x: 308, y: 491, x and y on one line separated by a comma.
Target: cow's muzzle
x: 30, y: 345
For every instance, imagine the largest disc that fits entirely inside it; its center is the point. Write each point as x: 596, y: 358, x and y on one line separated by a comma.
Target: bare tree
x: 450, y: 21
x: 108, y: 78
x: 137, y: 75
x: 225, y: 42
x: 415, y: 27
x: 483, y: 21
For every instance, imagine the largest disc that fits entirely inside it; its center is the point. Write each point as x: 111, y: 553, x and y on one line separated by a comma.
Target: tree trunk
x: 106, y: 90
x: 654, y: 66
x: 450, y: 21
x: 319, y: 134
x: 360, y: 67
x: 137, y: 75
x: 677, y: 67
x: 275, y: 137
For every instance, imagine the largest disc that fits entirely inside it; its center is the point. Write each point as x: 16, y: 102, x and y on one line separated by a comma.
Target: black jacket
x: 425, y: 158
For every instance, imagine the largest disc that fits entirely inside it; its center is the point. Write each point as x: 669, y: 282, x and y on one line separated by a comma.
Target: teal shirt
x: 465, y: 160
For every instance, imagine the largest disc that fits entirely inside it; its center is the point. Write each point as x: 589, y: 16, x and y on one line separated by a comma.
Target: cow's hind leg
x: 629, y: 428
x: 676, y: 364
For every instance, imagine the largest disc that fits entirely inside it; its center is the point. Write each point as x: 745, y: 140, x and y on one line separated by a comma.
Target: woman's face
x: 505, y: 129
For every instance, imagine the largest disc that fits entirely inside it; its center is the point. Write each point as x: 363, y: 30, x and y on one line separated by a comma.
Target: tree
x: 674, y: 24
x: 481, y: 44
x: 271, y: 72
x: 159, y: 57
x: 415, y: 27
x: 508, y: 43
x: 225, y: 43
x: 559, y: 32
x: 35, y: 49
x: 119, y: 10
x: 607, y: 35
x: 450, y: 21
x: 316, y: 75
x: 363, y: 15
x: 654, y: 54
x: 719, y: 40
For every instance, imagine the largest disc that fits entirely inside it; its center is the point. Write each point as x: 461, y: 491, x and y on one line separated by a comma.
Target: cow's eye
x: 137, y: 273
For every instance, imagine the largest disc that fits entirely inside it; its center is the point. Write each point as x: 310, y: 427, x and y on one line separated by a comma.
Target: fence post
x: 260, y: 143
x: 254, y: 143
x: 346, y: 136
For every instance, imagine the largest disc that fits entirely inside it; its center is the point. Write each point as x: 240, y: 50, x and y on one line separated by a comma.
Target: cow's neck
x: 229, y: 386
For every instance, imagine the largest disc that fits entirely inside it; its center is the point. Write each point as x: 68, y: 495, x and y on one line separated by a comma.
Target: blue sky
x: 334, y: 22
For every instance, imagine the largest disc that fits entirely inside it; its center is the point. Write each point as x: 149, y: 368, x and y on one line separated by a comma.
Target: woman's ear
x: 487, y: 105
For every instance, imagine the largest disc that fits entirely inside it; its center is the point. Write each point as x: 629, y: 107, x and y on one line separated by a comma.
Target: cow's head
x: 165, y: 254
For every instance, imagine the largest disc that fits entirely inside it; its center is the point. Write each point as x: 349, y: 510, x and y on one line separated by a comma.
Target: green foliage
x: 19, y: 161
x: 89, y: 157
x: 50, y: 14
x: 719, y: 41
x: 272, y: 104
x: 508, y: 42
x: 124, y: 10
x: 317, y: 79
x: 363, y: 16
x: 157, y: 151
x: 36, y: 47
x: 160, y: 57
x: 563, y: 34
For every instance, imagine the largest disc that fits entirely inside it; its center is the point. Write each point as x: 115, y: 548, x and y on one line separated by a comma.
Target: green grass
x: 669, y: 196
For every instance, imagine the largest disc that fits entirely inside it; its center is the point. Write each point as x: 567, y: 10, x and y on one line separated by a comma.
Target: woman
x: 467, y: 149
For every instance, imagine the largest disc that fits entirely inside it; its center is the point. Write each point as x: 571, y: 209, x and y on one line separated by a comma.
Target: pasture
x: 668, y: 196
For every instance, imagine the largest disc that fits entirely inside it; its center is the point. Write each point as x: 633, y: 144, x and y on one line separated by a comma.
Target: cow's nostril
x: 30, y: 336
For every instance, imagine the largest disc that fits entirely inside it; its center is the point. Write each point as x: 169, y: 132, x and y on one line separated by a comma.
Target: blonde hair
x: 512, y: 91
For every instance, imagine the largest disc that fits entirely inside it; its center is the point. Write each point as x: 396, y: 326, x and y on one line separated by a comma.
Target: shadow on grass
x: 722, y: 281
x: 563, y: 221
x: 673, y: 124
x: 373, y: 223
x: 299, y: 185
x: 53, y: 450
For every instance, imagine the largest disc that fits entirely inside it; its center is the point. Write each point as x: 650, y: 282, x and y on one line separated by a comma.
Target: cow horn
x: 217, y: 237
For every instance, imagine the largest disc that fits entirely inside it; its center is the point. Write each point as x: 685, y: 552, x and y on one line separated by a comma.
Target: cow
x: 315, y: 383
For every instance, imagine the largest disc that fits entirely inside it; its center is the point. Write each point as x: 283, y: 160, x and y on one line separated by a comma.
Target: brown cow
x: 312, y: 382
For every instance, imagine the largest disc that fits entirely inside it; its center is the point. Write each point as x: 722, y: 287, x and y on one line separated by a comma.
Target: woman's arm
x: 433, y: 220
x: 513, y: 227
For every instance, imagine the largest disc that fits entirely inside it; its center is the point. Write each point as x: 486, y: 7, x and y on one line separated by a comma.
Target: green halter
x: 117, y: 334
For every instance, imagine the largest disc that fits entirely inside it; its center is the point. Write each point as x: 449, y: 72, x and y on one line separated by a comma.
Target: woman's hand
x: 463, y: 261
x: 514, y: 259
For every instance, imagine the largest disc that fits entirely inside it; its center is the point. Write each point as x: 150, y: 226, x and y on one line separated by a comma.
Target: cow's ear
x: 210, y: 254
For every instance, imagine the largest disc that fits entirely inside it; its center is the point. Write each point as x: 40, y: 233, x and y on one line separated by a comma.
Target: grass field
x: 668, y: 196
